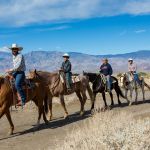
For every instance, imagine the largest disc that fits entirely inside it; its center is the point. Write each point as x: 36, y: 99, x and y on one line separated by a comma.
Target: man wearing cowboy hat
x: 66, y: 67
x: 132, y: 69
x: 18, y: 71
x: 107, y: 71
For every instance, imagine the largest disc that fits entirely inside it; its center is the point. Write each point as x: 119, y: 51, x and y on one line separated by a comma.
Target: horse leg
x: 81, y: 102
x: 111, y: 96
x: 63, y: 105
x: 104, y: 99
x: 10, y: 122
x: 126, y: 95
x: 143, y: 91
x: 44, y: 116
x: 50, y: 109
x: 93, y: 102
x: 39, y: 111
x: 136, y: 95
x: 2, y: 112
x: 131, y: 92
x: 119, y: 102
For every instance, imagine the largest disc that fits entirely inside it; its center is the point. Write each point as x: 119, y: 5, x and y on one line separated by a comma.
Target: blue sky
x: 87, y: 26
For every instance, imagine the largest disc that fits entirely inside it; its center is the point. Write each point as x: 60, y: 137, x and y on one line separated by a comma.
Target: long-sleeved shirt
x: 132, y: 67
x: 66, y: 66
x: 106, y: 69
x: 19, y: 63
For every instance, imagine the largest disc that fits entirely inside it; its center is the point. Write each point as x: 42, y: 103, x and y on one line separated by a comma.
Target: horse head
x: 33, y: 75
x: 92, y: 76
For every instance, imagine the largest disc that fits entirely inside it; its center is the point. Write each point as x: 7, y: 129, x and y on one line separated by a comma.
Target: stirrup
x: 69, y: 90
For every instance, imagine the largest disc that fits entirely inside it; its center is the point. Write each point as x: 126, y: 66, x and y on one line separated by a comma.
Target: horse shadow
x: 133, y: 103
x: 56, y: 123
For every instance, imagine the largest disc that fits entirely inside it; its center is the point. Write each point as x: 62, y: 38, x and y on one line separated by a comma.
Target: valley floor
x: 55, y: 135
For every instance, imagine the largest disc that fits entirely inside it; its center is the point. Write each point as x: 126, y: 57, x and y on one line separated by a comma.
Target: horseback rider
x: 107, y: 71
x: 18, y: 71
x: 132, y: 69
x: 66, y: 67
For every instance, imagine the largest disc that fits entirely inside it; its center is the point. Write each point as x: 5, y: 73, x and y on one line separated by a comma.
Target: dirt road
x: 28, y: 137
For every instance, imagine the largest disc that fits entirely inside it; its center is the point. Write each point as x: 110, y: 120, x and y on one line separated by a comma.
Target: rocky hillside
x: 51, y: 60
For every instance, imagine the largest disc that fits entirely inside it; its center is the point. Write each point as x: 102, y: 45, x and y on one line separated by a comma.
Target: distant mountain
x: 51, y: 61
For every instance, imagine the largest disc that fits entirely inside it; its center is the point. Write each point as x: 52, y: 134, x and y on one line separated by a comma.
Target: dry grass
x: 109, y: 131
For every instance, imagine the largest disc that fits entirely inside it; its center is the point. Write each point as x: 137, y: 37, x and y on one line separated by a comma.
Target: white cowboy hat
x: 66, y: 55
x: 130, y: 59
x: 15, y: 46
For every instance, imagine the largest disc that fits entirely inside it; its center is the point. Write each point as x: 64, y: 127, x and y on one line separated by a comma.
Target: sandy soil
x: 28, y: 137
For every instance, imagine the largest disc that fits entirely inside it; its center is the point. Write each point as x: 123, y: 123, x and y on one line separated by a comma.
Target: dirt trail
x: 28, y: 137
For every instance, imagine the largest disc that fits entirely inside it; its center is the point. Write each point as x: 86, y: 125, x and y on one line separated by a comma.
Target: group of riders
x: 19, y: 68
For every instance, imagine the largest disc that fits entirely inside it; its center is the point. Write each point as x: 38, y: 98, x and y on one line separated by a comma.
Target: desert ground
x: 76, y: 131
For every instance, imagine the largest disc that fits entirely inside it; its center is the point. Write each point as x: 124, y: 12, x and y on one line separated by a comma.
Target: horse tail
x: 118, y: 89
x: 90, y: 92
x: 46, y: 104
x: 147, y: 85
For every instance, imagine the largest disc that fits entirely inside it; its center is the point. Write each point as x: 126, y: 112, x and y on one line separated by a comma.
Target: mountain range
x: 51, y: 61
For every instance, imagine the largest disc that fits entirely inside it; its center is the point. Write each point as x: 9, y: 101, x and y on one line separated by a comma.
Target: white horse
x: 128, y: 83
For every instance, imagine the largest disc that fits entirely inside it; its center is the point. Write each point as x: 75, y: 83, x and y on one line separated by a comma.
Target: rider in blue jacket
x: 107, y: 71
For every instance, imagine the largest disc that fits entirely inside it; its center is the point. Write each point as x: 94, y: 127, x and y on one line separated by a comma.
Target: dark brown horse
x: 99, y: 87
x: 37, y: 94
x: 57, y: 88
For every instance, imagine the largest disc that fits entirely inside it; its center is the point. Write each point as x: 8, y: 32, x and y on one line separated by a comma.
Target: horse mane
x: 1, y: 79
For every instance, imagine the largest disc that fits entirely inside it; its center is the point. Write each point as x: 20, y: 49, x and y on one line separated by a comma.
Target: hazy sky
x: 87, y: 26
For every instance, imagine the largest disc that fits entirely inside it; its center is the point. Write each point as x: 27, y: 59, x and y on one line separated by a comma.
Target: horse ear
x: 35, y: 71
x: 83, y: 72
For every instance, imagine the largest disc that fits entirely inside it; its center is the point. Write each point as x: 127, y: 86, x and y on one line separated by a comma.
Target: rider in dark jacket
x: 66, y: 67
x: 107, y: 71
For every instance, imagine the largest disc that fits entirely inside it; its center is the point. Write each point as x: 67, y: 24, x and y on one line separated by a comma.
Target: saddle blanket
x: 75, y: 79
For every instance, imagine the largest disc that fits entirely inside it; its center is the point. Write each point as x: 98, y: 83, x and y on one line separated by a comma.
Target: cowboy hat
x: 130, y: 59
x: 15, y: 46
x: 66, y: 55
x: 105, y: 59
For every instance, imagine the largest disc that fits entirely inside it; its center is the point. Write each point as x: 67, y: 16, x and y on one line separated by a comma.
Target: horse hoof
x: 130, y: 103
x: 66, y: 116
x: 92, y: 112
x: 10, y: 133
x: 109, y: 108
x: 46, y: 122
x: 103, y: 109
x: 50, y: 119
x: 82, y: 113
x: 112, y: 105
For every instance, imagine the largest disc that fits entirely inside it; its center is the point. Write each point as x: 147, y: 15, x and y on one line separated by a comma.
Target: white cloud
x: 140, y: 31
x: 4, y: 49
x: 24, y: 12
x: 63, y: 27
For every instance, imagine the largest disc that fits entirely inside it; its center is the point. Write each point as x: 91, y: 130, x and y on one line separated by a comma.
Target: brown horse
x: 57, y: 88
x: 37, y: 94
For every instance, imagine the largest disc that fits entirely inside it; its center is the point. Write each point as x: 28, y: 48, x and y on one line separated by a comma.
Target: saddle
x: 27, y: 85
x: 74, y: 79
x: 104, y: 80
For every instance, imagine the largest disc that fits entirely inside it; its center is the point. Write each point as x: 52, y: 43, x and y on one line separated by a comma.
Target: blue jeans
x: 109, y: 82
x: 136, y: 78
x: 68, y: 79
x: 19, y: 79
